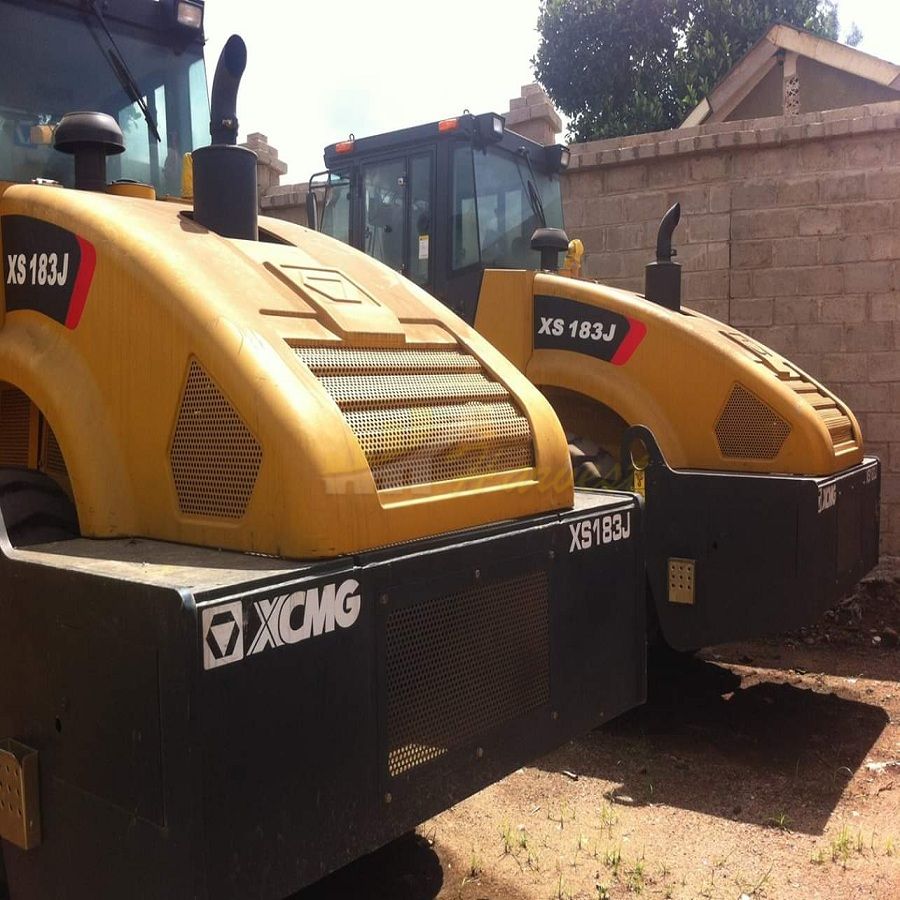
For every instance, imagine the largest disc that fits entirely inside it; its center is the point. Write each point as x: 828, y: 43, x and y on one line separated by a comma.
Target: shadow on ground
x: 769, y: 753
x: 406, y: 869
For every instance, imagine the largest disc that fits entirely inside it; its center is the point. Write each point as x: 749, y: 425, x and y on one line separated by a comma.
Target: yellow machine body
x: 714, y: 398
x: 259, y: 397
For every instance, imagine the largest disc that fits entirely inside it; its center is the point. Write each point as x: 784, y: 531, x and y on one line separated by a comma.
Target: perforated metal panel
x: 423, y: 415
x: 459, y: 664
x: 830, y: 410
x: 749, y: 428
x: 214, y: 456
x: 15, y: 426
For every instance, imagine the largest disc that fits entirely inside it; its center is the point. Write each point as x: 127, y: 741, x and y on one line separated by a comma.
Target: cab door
x: 396, y: 214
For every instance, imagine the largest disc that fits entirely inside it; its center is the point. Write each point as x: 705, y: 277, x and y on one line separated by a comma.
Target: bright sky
x: 314, y: 77
x: 374, y: 65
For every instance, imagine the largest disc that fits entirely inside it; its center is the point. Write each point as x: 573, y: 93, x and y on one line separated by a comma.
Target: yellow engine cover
x: 301, y: 401
x: 714, y: 397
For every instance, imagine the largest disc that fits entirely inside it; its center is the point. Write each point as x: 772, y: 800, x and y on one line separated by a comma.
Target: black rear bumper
x: 771, y: 553
x: 243, y: 741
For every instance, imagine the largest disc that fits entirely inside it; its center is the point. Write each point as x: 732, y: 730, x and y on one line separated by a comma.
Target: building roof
x: 784, y: 43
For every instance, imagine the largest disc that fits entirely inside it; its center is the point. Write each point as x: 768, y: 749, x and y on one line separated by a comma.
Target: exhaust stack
x: 225, y: 191
x: 662, y: 278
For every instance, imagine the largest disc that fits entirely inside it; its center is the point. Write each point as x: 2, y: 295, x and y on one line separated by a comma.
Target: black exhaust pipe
x: 225, y: 191
x: 662, y: 278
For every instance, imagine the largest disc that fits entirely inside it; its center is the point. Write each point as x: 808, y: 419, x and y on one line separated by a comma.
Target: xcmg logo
x: 235, y: 630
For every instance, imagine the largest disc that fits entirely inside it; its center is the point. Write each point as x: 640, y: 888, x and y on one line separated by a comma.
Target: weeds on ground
x: 845, y: 844
x: 781, y: 821
x: 523, y: 838
x: 612, y: 859
x: 608, y: 819
x: 754, y: 888
x: 507, y: 838
x: 561, y: 892
x: 636, y: 882
x: 580, y: 846
x: 475, y: 869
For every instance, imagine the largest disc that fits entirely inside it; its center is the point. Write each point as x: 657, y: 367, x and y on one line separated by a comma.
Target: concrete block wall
x: 790, y: 230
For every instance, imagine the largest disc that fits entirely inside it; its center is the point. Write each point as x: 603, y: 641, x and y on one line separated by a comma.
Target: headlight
x: 557, y: 157
x: 189, y: 14
x: 489, y: 127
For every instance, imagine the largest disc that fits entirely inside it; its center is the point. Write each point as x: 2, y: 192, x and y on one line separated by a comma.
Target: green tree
x: 627, y: 66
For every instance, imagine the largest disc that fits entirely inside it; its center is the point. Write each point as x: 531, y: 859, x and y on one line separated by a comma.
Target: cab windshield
x: 51, y: 64
x: 507, y: 217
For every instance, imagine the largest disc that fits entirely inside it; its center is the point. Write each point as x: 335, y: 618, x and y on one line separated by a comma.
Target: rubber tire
x: 594, y: 466
x: 35, y: 508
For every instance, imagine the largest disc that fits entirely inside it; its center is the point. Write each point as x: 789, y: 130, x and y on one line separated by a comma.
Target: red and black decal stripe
x: 46, y: 268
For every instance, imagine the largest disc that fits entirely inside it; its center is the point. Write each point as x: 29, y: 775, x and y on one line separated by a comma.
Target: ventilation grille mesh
x: 748, y: 428
x: 459, y: 664
x: 52, y: 461
x: 215, y: 458
x: 15, y: 426
x: 836, y: 421
x: 422, y: 416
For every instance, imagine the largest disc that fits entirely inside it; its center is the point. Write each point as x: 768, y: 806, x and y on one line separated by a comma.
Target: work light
x: 189, y: 14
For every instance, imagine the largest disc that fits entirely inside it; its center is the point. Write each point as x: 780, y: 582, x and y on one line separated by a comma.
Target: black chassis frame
x: 459, y: 288
x: 161, y: 779
x: 772, y: 552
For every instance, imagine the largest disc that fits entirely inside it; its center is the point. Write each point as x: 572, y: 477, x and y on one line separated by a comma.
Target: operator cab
x: 140, y: 61
x: 442, y: 202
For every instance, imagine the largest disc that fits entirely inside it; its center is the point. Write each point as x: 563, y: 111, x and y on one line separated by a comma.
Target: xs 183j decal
x: 561, y: 324
x: 46, y: 268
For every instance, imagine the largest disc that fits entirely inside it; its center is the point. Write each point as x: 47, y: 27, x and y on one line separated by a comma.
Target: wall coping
x: 748, y: 133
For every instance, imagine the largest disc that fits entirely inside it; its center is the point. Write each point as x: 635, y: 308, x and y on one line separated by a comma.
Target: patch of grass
x: 475, y: 869
x: 612, y: 859
x: 561, y: 892
x: 580, y: 846
x: 755, y: 888
x: 608, y: 819
x: 507, y: 838
x: 636, y: 877
x: 602, y: 891
x: 889, y: 847
x: 841, y: 846
x: 780, y: 821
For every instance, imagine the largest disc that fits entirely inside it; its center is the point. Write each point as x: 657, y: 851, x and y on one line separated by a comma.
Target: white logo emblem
x: 279, y: 621
x: 827, y: 497
x: 223, y: 634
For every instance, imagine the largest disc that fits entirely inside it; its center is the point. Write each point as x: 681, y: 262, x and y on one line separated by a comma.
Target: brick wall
x: 790, y: 231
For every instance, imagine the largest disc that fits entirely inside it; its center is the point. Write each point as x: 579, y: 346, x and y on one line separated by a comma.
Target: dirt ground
x: 764, y: 770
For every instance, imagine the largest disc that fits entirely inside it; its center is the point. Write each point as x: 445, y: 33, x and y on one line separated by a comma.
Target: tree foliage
x: 628, y: 66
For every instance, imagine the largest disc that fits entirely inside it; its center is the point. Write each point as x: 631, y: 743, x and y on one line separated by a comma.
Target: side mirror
x: 312, y: 211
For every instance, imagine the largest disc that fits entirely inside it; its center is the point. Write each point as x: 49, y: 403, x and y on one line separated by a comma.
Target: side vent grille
x: 828, y: 409
x: 51, y: 458
x: 448, y: 680
x: 423, y: 415
x: 748, y: 428
x: 15, y: 426
x: 214, y: 456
